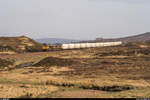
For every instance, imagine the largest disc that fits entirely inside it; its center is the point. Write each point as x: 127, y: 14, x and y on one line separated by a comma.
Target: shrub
x: 6, y: 62
x: 37, y: 48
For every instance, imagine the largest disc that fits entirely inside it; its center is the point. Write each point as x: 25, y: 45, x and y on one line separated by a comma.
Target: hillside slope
x: 18, y: 44
x: 141, y: 37
x: 136, y: 38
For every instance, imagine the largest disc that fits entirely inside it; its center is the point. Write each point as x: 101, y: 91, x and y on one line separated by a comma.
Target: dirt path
x: 78, y: 94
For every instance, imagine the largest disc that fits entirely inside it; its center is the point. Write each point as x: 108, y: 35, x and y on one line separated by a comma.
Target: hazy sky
x: 74, y: 19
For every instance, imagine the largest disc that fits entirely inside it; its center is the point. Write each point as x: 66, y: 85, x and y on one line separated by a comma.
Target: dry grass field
x: 106, y: 72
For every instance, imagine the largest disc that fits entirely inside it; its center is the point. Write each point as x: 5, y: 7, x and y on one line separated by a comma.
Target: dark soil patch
x: 77, y: 94
x: 24, y: 65
x: 108, y: 88
x: 54, y: 61
x: 113, y: 88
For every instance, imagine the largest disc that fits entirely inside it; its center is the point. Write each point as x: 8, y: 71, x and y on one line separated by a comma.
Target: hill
x: 18, y: 44
x: 55, y: 40
x: 136, y: 38
x: 141, y: 37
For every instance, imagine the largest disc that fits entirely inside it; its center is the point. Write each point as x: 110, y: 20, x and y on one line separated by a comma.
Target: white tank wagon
x: 89, y: 45
x: 101, y: 44
x: 65, y: 46
x: 98, y: 44
x: 93, y: 44
x: 108, y: 44
x: 111, y: 43
x: 83, y: 45
x: 71, y: 46
x: 77, y: 45
x: 117, y: 43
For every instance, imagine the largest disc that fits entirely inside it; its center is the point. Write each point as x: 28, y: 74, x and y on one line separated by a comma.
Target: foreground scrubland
x: 121, y: 71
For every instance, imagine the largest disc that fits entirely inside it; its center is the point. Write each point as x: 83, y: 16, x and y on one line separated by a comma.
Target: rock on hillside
x: 18, y: 44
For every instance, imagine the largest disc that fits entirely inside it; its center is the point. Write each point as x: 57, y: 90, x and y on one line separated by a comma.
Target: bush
x: 7, y: 48
x: 37, y: 48
x: 6, y: 62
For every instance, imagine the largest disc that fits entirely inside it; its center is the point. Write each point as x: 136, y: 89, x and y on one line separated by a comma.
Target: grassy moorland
x: 121, y: 71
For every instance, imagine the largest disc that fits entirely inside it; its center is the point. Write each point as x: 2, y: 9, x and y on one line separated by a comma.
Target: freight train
x: 49, y: 47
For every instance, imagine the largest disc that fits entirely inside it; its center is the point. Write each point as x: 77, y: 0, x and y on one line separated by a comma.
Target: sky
x: 74, y: 19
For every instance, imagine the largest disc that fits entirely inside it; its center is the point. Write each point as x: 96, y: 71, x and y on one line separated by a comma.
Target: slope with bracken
x: 18, y: 44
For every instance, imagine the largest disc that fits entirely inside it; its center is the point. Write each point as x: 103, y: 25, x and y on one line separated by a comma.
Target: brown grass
x: 21, y: 90
x: 126, y: 74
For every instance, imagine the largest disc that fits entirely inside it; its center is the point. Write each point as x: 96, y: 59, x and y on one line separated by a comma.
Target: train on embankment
x: 49, y: 47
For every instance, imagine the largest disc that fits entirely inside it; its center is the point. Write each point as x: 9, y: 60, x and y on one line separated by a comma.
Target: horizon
x: 77, y: 39
x: 99, y: 37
